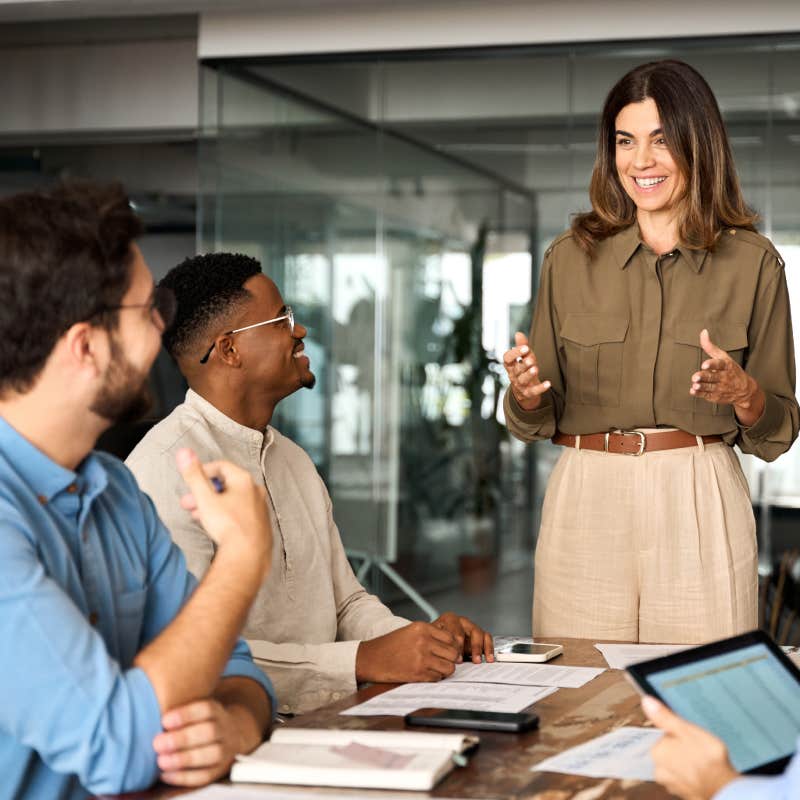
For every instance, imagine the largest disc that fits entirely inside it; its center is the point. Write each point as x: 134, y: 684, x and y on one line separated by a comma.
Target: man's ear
x: 227, y: 352
x: 86, y: 346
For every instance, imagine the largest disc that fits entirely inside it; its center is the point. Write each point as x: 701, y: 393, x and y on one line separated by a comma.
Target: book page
x: 416, y: 740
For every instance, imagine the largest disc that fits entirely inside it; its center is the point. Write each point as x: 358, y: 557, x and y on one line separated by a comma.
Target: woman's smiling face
x: 645, y: 166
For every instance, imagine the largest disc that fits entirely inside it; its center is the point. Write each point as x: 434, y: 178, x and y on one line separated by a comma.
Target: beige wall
x: 349, y: 27
x: 125, y: 86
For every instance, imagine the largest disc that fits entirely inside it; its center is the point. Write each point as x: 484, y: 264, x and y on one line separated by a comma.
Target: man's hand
x: 523, y: 372
x: 235, y: 516
x: 471, y: 641
x: 199, y: 743
x: 417, y: 652
x: 690, y: 762
x: 722, y: 380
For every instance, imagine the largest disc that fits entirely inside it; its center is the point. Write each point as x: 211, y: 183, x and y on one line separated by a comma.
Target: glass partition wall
x: 403, y: 205
x: 409, y: 268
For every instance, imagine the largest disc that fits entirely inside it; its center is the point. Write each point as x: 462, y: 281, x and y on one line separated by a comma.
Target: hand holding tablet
x: 743, y: 690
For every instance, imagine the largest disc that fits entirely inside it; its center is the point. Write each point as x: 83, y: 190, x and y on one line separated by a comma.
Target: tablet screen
x: 747, y: 697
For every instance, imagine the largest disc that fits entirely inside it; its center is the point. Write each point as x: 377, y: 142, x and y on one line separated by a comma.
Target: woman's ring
x: 518, y: 360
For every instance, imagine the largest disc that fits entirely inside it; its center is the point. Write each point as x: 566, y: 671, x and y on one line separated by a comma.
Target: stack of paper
x: 523, y: 674
x: 451, y: 694
x: 509, y: 687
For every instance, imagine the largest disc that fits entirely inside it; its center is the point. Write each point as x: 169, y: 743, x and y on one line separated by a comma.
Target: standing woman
x: 661, y: 338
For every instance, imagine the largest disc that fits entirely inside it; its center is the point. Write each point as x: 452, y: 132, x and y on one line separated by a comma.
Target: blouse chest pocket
x: 593, y: 348
x: 687, y: 356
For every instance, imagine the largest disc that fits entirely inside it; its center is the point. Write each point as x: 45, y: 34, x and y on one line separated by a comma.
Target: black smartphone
x: 474, y: 720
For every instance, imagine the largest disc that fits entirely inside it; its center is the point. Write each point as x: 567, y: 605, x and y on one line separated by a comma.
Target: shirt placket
x: 288, y: 561
x: 73, y: 507
x: 651, y: 334
x: 95, y: 573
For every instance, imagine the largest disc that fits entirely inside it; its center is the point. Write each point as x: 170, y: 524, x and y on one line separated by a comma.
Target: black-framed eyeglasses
x: 162, y: 307
x: 289, y: 316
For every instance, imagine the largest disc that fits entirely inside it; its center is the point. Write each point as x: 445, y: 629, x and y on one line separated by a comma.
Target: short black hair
x: 65, y: 255
x: 207, y: 288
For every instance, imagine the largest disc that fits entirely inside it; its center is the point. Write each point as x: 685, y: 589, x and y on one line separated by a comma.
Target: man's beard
x: 125, y: 395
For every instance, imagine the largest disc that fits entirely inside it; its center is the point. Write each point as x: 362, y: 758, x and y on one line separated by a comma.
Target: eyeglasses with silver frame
x: 289, y: 316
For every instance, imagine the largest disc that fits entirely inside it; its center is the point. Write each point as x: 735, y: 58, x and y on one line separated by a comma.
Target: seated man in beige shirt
x: 313, y: 628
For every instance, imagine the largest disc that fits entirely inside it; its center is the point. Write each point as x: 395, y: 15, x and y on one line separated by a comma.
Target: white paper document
x: 445, y: 694
x: 794, y: 655
x: 525, y: 674
x: 623, y: 754
x: 620, y: 656
x: 222, y: 792
x: 219, y: 792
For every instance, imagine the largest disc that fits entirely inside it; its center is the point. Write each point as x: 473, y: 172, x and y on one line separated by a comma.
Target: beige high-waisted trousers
x: 655, y: 548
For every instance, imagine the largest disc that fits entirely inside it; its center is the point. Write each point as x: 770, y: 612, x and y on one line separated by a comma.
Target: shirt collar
x: 214, y: 417
x: 628, y: 241
x: 44, y: 476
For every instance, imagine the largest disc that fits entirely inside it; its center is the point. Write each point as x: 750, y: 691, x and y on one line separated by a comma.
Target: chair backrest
x: 779, y: 600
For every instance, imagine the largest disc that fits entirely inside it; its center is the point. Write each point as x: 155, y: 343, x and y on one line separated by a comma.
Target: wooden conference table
x: 500, y: 767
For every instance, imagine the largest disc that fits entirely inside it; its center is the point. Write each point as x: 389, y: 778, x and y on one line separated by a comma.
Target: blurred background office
x: 399, y: 169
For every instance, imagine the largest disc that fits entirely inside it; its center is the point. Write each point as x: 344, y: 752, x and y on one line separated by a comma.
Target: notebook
x: 353, y: 758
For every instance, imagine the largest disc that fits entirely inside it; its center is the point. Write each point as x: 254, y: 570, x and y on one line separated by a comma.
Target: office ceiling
x: 40, y: 10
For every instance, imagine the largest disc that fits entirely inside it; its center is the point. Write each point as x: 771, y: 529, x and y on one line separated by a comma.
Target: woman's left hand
x: 722, y: 380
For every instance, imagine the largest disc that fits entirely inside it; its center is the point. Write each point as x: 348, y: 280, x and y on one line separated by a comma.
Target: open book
x: 353, y: 758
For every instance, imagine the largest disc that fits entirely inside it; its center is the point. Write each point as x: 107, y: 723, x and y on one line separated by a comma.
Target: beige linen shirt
x: 311, y: 613
x: 618, y: 337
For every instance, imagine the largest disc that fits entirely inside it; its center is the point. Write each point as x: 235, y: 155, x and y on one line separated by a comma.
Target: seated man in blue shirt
x: 117, y: 667
x: 693, y: 763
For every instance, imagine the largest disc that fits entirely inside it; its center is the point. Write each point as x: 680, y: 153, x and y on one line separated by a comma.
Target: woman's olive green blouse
x: 618, y: 336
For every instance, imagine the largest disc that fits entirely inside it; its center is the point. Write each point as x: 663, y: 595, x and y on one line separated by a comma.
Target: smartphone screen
x: 529, y: 649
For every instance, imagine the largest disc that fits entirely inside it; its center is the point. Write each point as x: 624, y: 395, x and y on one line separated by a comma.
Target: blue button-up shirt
x: 758, y: 787
x: 88, y: 576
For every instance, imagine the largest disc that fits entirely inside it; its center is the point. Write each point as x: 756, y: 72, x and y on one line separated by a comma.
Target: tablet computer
x: 743, y: 689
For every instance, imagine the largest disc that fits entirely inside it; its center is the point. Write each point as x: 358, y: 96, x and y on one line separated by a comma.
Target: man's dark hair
x: 65, y: 255
x: 207, y: 288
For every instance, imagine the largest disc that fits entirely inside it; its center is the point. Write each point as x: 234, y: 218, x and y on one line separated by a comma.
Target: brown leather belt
x: 633, y: 443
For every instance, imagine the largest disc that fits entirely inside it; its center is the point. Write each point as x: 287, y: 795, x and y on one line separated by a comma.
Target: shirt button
x: 42, y: 499
x: 85, y: 536
x: 93, y: 618
x: 336, y: 695
x: 72, y: 488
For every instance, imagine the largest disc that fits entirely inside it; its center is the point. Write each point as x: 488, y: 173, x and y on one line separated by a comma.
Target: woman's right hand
x: 524, y: 374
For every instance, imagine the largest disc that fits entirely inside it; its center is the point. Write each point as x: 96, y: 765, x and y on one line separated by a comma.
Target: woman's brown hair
x: 696, y: 139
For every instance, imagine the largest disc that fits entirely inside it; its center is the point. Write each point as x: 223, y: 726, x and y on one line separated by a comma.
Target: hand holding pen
x: 523, y: 372
x: 225, y: 500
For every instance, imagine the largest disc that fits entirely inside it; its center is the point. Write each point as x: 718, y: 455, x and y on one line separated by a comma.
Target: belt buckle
x: 642, y: 441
